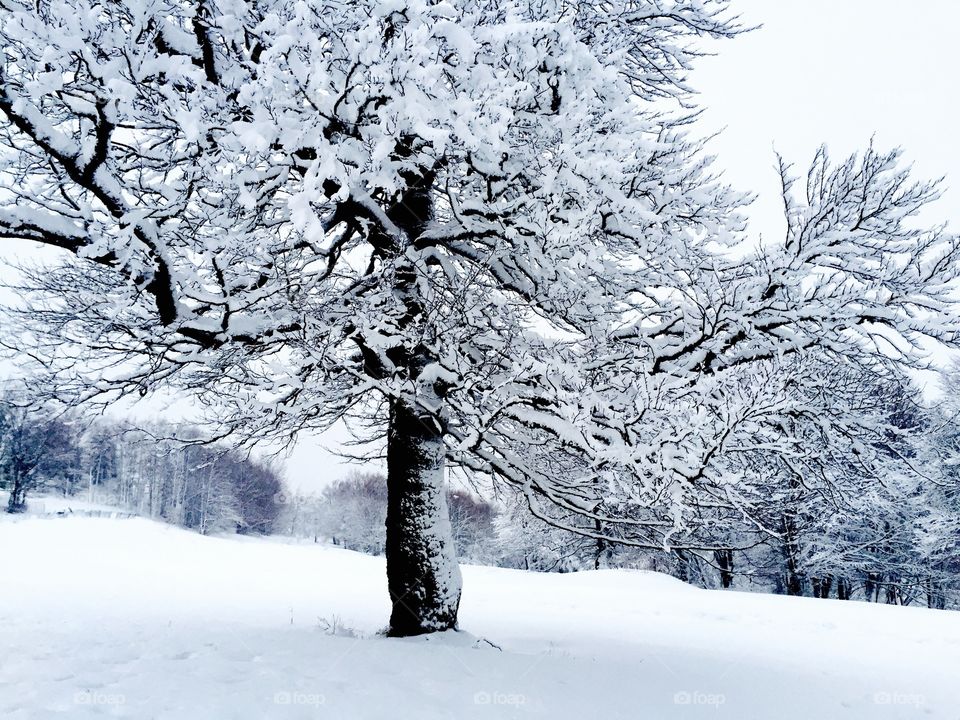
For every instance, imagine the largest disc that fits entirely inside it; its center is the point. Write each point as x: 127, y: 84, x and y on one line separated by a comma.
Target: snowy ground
x: 58, y: 505
x: 130, y: 618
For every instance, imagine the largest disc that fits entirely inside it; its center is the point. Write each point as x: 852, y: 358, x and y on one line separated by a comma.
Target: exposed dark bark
x: 822, y: 586
x: 422, y: 572
x: 936, y: 598
x: 17, y: 502
x: 601, y: 546
x: 793, y: 580
x: 724, y: 560
x: 793, y: 583
x: 844, y: 589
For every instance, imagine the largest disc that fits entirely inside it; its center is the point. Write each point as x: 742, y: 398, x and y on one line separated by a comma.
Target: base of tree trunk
x: 422, y: 571
x: 17, y: 502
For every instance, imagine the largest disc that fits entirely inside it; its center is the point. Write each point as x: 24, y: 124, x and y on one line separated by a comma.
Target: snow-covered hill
x: 129, y: 618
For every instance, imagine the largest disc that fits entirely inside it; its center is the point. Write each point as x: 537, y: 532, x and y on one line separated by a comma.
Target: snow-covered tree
x: 352, y: 512
x: 855, y: 507
x: 938, y: 536
x: 472, y: 521
x: 480, y: 221
x: 38, y: 450
x: 300, y: 515
x: 163, y: 471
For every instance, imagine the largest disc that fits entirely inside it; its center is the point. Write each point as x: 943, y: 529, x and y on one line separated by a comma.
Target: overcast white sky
x: 833, y: 71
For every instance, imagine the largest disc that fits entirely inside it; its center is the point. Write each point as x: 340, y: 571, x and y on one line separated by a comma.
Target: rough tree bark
x: 422, y: 572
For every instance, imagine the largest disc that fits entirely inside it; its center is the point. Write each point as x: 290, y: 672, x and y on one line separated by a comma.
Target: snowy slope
x: 130, y: 618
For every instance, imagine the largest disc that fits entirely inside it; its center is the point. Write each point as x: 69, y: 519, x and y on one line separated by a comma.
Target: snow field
x: 134, y: 619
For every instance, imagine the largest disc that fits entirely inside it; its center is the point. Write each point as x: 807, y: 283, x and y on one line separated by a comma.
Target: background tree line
x: 871, y: 516
x: 157, y: 470
x: 870, y: 513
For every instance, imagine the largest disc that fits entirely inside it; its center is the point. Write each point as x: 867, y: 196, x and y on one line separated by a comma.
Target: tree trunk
x: 844, y: 589
x: 724, y: 560
x: 793, y: 580
x: 601, y: 546
x: 17, y: 502
x: 935, y: 595
x: 422, y: 572
x: 821, y: 586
